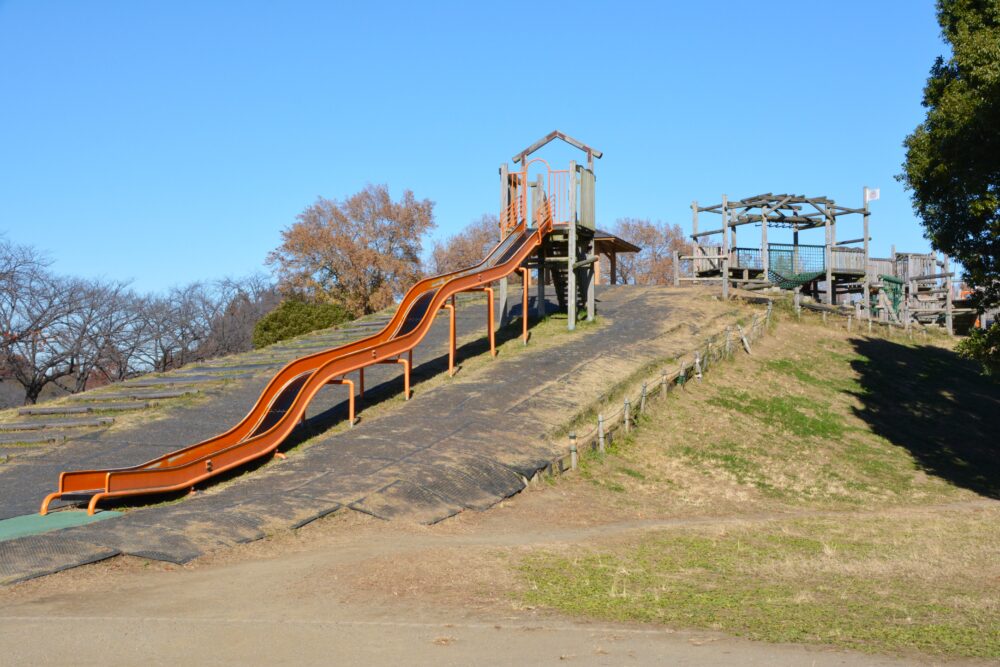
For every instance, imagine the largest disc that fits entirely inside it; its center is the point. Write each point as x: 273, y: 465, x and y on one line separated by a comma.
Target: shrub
x: 294, y: 318
x: 983, y: 345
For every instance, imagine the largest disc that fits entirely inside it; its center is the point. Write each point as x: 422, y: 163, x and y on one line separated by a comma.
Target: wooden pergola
x: 789, y: 211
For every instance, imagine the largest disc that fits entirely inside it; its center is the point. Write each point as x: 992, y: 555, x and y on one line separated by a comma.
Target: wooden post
x: 571, y: 252
x: 572, y: 451
x: 540, y: 287
x: 725, y: 247
x: 694, y: 238
x: 600, y: 433
x: 796, y: 264
x: 765, y: 259
x: 591, y: 283
x: 947, y: 299
x: 613, y: 268
x: 828, y: 255
x: 677, y: 269
x: 868, y: 280
x: 626, y: 415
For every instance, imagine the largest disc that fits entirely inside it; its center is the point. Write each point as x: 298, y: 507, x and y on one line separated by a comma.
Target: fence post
x: 729, y: 342
x: 770, y: 305
x: 824, y: 317
x: 743, y: 337
x: 681, y: 376
x: 663, y: 381
x: 697, y: 366
x: 869, y: 326
x: 626, y: 416
x: 848, y: 324
x: 573, y: 455
x: 600, y: 433
x: 642, y: 400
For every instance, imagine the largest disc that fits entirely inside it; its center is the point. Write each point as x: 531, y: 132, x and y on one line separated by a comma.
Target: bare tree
x: 95, y: 329
x: 468, y: 247
x: 73, y: 333
x: 38, y: 340
x: 243, y: 302
x: 654, y: 265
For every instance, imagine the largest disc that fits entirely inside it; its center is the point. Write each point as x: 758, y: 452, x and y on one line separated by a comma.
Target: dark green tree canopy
x: 953, y: 158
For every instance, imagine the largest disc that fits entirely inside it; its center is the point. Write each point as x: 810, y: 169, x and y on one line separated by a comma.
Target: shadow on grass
x: 936, y: 405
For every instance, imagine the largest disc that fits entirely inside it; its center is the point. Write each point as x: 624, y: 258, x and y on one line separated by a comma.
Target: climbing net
x: 791, y: 266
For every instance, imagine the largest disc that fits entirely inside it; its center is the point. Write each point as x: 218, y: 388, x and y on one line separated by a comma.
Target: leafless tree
x: 35, y: 312
x: 72, y: 333
x: 654, y: 265
x: 468, y: 247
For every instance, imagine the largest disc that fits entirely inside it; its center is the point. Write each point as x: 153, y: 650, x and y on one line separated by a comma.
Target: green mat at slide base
x: 33, y: 524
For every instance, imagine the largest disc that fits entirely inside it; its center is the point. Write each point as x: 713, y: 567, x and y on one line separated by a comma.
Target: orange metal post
x: 361, y: 382
x: 450, y: 307
x: 407, y: 364
x: 526, y: 283
x: 350, y: 399
x: 489, y: 321
x: 489, y: 317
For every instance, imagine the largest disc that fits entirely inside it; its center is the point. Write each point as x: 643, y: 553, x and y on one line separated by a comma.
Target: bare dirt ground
x: 353, y: 589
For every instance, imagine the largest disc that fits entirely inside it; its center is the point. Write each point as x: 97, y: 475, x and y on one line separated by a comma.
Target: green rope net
x: 791, y: 266
x: 792, y: 280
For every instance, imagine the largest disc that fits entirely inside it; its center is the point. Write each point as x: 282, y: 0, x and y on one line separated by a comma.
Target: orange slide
x: 284, y: 400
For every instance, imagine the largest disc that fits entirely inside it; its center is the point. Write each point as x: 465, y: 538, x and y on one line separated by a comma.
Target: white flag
x: 871, y: 194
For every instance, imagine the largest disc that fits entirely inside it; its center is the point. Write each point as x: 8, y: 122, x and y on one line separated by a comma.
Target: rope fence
x: 692, y: 366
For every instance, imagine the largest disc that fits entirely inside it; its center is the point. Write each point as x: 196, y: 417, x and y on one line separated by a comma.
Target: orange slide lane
x: 284, y: 400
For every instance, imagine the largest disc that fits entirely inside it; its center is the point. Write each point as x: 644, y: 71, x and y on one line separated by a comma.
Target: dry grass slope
x: 874, y: 465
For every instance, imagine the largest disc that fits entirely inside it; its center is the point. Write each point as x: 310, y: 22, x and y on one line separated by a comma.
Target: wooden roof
x: 556, y: 134
x: 607, y: 241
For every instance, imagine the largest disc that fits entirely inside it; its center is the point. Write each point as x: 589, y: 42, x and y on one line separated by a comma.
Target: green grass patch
x: 802, y: 417
x: 924, y: 584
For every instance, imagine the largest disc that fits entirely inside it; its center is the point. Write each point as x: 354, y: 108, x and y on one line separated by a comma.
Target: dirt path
x: 354, y: 588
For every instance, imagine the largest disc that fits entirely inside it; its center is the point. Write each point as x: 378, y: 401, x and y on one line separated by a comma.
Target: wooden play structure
x: 570, y: 255
x: 904, y: 289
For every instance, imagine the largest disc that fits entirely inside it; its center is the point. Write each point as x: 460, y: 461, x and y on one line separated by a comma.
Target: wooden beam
x: 556, y: 134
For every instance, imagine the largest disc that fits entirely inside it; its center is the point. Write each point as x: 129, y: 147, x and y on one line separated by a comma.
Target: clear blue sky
x: 166, y: 142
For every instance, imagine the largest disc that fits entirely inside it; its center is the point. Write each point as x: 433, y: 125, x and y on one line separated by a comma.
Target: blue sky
x: 166, y: 142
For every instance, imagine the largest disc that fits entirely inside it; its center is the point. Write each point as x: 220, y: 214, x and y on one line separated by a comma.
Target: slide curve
x: 284, y: 400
